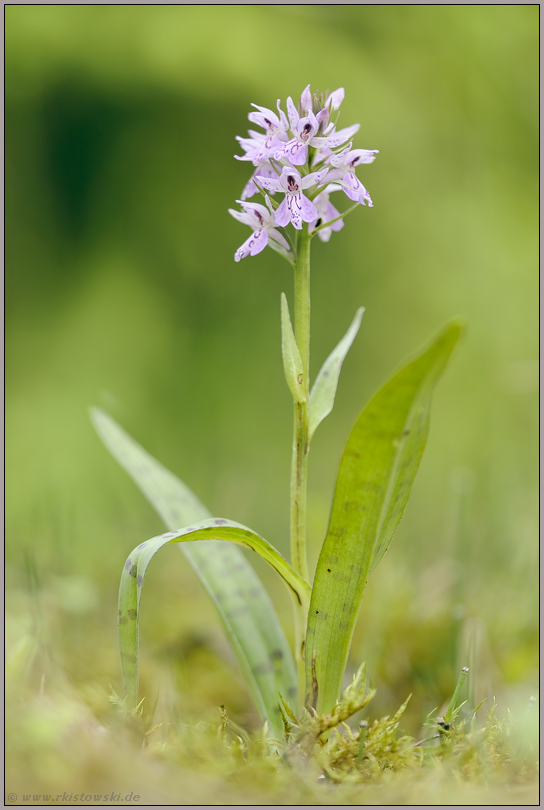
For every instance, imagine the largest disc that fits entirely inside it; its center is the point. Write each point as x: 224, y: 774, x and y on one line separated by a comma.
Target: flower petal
x: 243, y: 250
x: 292, y: 113
x: 265, y: 118
x: 289, y: 178
x: 256, y: 242
x: 355, y: 190
x: 294, y: 151
x: 358, y: 156
x: 283, y: 119
x: 282, y: 215
x: 269, y: 183
x: 335, y: 98
x: 279, y: 238
x: 306, y: 99
x: 241, y: 216
x: 336, y: 174
x: 249, y: 189
x: 322, y: 117
x: 325, y: 234
x: 260, y: 241
x: 294, y: 204
x: 337, y: 138
x: 332, y: 213
x: 313, y: 178
x: 308, y: 210
x: 259, y: 213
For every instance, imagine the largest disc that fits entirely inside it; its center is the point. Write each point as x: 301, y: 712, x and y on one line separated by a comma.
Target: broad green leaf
x: 244, y: 607
x: 132, y: 578
x: 324, y: 388
x: 376, y: 474
x: 292, y: 361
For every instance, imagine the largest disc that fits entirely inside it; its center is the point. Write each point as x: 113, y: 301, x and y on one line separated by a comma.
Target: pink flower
x: 305, y: 129
x: 276, y: 130
x: 295, y: 208
x: 262, y: 221
x: 343, y: 170
x: 303, y: 140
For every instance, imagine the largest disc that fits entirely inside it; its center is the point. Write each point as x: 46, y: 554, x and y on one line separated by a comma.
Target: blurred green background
x: 122, y: 292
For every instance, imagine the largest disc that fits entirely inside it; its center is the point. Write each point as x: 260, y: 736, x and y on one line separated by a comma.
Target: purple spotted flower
x: 343, y: 170
x: 305, y: 129
x: 262, y: 221
x: 263, y: 169
x: 295, y: 208
x: 253, y: 147
x: 276, y: 128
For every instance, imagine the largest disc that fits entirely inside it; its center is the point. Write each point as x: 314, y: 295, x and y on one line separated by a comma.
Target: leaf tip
x: 457, y: 327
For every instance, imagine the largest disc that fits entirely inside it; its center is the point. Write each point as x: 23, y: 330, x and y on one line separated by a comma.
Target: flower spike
x: 302, y: 156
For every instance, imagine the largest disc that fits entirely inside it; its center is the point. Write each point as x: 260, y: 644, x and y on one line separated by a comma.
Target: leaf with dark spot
x: 372, y: 489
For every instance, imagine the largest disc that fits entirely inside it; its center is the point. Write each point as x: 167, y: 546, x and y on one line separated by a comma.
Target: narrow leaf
x: 324, y: 388
x: 244, y: 607
x: 132, y: 578
x: 292, y: 361
x: 376, y: 474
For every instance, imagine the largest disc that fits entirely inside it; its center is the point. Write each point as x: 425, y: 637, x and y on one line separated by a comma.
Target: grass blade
x: 376, y: 474
x: 325, y: 385
x: 246, y: 612
x: 135, y: 568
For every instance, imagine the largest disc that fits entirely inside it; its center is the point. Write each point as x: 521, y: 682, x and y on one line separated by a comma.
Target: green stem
x: 301, y: 620
x: 299, y: 466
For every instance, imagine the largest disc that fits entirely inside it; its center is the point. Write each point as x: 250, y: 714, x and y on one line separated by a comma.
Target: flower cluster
x: 304, y: 157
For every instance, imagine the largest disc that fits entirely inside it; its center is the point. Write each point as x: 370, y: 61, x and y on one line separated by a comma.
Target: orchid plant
x: 299, y: 160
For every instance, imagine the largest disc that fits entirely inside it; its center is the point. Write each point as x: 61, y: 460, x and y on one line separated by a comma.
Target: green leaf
x: 132, y: 578
x: 376, y: 474
x: 324, y: 388
x: 292, y: 361
x: 248, y: 616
